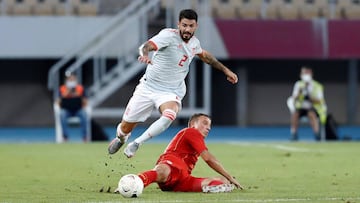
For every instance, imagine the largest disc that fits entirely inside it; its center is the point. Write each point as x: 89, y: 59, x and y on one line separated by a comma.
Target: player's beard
x: 186, y: 39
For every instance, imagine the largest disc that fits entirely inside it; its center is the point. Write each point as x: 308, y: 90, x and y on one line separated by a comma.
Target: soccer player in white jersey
x: 163, y: 86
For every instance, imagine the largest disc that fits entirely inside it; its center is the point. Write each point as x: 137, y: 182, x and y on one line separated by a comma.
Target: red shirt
x: 185, y: 148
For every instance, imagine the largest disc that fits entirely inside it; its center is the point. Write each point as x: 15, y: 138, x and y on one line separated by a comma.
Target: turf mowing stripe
x: 249, y: 200
x: 276, y: 146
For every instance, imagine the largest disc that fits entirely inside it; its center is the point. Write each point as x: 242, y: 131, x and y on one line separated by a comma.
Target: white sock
x: 120, y: 134
x: 159, y: 126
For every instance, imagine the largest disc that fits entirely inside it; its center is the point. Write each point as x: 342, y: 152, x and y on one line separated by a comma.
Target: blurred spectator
x: 307, y: 100
x: 73, y: 102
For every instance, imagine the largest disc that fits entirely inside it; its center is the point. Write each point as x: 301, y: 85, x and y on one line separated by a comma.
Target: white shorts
x: 144, y: 101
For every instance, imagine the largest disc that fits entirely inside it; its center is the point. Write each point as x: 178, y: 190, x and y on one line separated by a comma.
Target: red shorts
x: 179, y: 179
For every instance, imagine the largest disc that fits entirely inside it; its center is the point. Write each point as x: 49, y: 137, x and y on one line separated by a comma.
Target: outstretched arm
x: 144, y: 50
x: 208, y: 58
x: 216, y: 166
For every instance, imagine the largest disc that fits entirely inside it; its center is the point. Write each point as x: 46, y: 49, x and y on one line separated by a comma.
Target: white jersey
x: 170, y: 62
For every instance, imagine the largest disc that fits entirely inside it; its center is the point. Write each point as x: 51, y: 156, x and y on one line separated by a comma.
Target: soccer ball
x: 130, y: 185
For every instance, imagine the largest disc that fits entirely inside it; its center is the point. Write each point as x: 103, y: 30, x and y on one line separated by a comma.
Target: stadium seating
x: 84, y: 8
x: 111, y: 7
x: 314, y: 9
x: 44, y: 7
x: 49, y: 7
x: 166, y: 3
x: 6, y: 6
x: 77, y: 7
x: 280, y: 9
x: 340, y: 8
x: 283, y: 9
x: 62, y: 8
x: 290, y: 9
x: 23, y: 7
x: 171, y: 3
x: 225, y: 9
x: 251, y: 9
x: 272, y: 9
x: 350, y: 8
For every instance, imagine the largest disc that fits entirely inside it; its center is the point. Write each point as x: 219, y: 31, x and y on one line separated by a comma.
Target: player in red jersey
x: 173, y: 169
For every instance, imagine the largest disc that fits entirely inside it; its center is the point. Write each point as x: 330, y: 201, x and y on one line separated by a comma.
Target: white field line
x: 293, y: 149
x: 278, y: 146
x: 326, y: 199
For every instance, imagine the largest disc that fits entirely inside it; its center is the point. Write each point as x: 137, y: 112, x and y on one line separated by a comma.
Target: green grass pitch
x: 270, y: 172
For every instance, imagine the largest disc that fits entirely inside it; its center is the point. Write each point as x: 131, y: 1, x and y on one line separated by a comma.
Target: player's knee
x: 296, y: 114
x: 215, y: 181
x: 163, y: 172
x: 312, y: 115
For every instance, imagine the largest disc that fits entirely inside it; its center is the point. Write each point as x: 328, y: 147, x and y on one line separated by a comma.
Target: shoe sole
x: 112, y: 143
x: 126, y: 152
x: 223, y: 188
x: 128, y: 156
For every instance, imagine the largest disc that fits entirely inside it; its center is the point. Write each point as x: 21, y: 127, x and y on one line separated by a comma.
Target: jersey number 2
x: 184, y: 58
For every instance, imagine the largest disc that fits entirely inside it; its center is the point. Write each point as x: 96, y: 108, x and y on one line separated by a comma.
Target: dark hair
x: 195, y: 116
x: 188, y: 14
x: 306, y: 67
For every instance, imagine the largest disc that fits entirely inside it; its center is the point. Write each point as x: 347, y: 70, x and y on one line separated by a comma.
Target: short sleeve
x: 296, y: 89
x: 162, y: 39
x: 196, y: 140
x: 198, y: 49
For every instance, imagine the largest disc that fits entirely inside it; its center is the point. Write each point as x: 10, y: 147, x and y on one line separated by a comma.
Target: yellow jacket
x: 320, y: 106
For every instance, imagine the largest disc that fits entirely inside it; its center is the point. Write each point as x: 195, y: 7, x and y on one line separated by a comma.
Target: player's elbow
x: 206, y: 156
x: 210, y: 161
x: 206, y: 159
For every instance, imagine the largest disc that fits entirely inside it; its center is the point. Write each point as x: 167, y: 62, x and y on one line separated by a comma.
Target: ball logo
x: 130, y: 186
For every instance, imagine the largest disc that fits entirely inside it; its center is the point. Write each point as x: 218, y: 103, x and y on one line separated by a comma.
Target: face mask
x: 306, y: 77
x: 71, y: 84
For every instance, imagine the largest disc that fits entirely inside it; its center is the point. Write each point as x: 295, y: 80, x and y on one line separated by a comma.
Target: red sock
x: 148, y: 177
x: 215, y: 182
